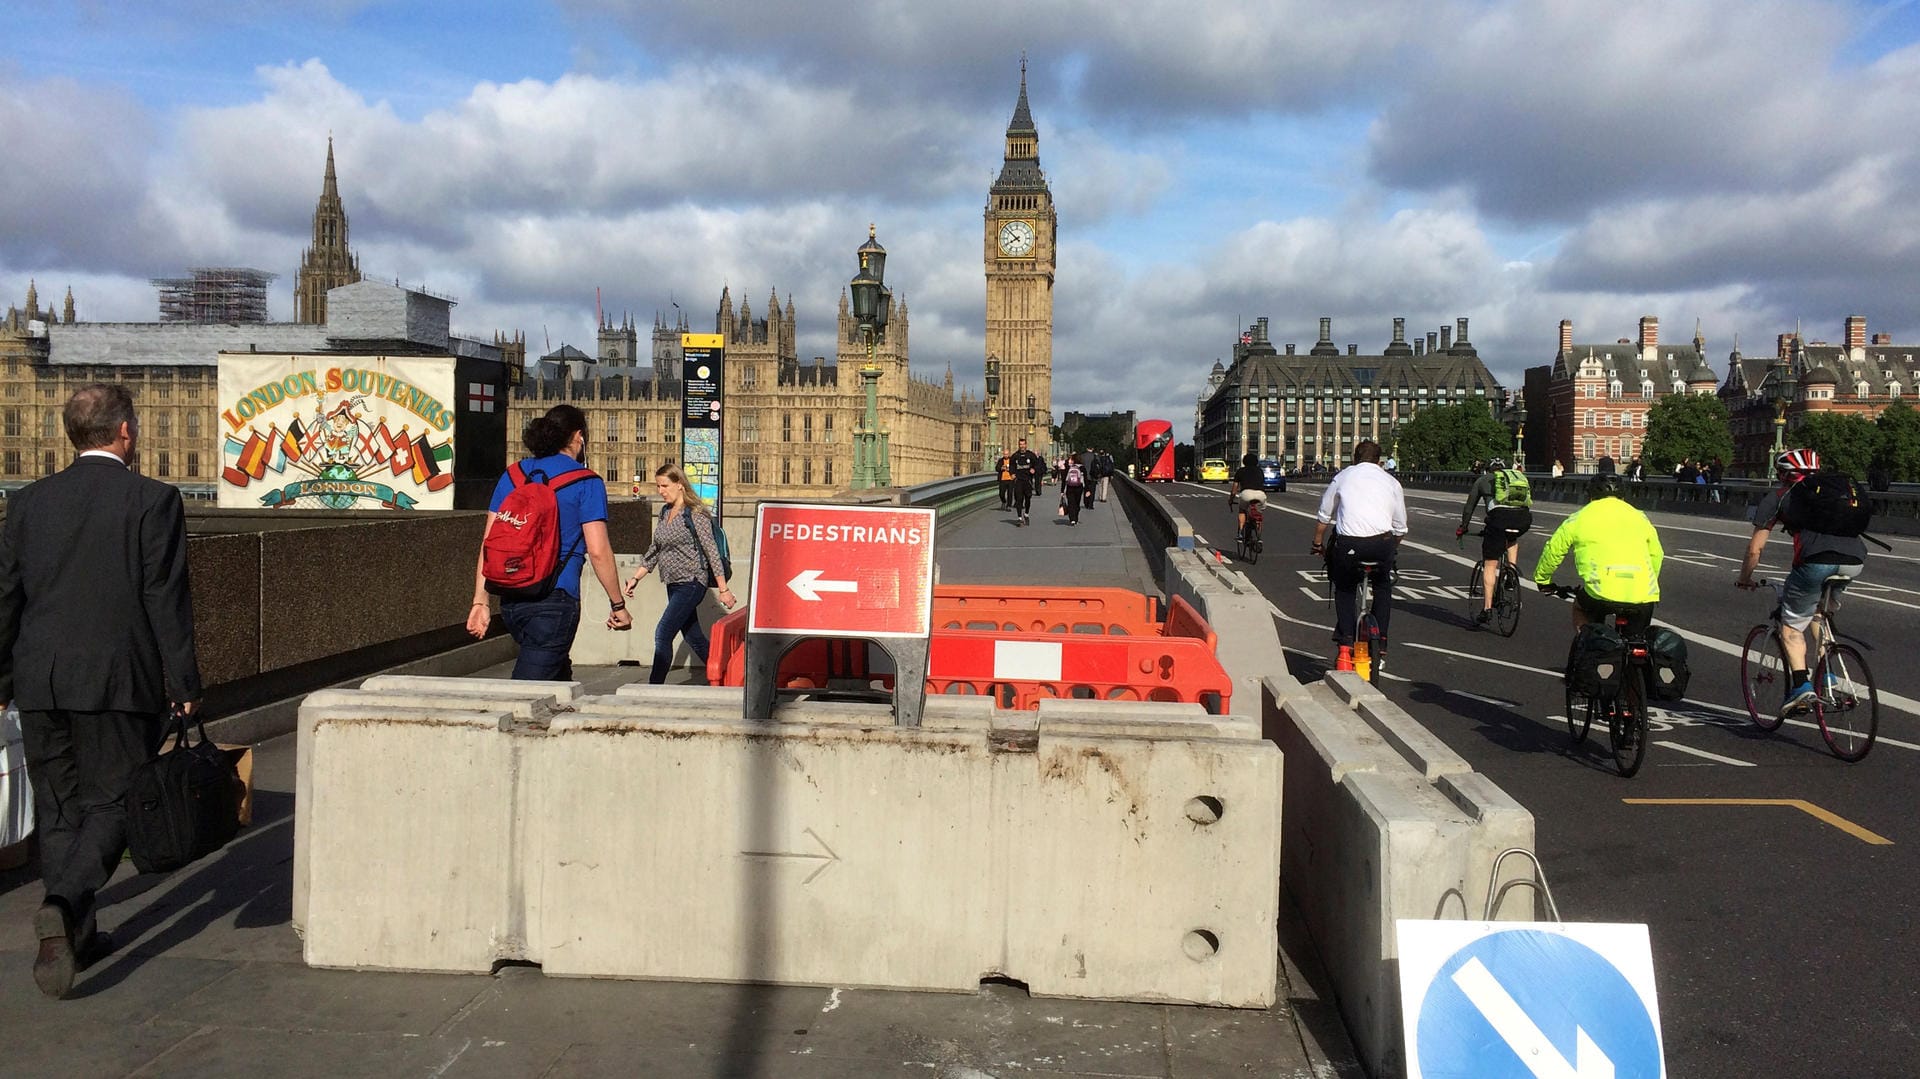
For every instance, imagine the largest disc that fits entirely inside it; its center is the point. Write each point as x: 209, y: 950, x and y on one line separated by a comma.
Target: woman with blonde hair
x: 684, y: 552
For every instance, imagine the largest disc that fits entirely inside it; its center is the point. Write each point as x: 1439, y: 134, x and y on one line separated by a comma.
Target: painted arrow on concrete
x: 807, y: 585
x: 826, y: 860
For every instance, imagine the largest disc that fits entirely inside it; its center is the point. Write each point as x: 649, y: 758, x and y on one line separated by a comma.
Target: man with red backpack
x: 1827, y: 514
x: 548, y: 520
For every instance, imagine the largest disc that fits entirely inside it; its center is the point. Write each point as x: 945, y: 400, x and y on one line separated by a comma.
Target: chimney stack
x: 1856, y: 334
x: 1326, y: 329
x: 1289, y: 348
x: 1419, y: 346
x: 1649, y: 331
x: 1400, y: 331
x: 1433, y: 342
x: 1325, y: 346
x: 1446, y: 339
x: 1883, y: 339
x: 1783, y: 346
x: 1460, y: 333
x: 1353, y: 349
x: 1261, y: 334
x: 1566, y: 336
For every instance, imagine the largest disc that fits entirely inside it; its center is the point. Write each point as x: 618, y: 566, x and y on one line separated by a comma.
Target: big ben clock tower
x: 1019, y: 253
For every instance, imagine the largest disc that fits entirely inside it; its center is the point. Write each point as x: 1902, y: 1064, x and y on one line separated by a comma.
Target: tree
x: 1105, y: 436
x: 1899, y: 442
x: 1844, y: 442
x: 1449, y: 438
x: 1686, y: 426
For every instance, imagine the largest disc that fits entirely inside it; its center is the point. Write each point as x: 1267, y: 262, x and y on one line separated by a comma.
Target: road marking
x: 1495, y: 701
x: 1522, y: 1035
x: 1823, y: 815
x: 1704, y: 753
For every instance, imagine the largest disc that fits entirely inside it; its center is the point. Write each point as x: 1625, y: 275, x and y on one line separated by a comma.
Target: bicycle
x: 1506, y: 594
x: 1624, y: 707
x: 1249, y: 546
x: 1846, y: 706
x: 1369, y: 644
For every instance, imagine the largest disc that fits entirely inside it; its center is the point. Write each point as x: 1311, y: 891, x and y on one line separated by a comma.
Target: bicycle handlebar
x: 1561, y: 590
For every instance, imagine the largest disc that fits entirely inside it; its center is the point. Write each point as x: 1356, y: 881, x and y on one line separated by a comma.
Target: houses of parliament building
x: 788, y: 427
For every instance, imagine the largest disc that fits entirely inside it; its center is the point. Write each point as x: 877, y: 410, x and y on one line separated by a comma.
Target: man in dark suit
x: 96, y: 638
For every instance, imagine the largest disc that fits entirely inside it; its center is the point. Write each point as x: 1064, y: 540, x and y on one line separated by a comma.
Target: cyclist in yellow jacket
x: 1615, y: 550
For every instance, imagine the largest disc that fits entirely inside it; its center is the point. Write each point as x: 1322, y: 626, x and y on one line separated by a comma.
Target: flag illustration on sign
x: 293, y: 443
x: 479, y: 397
x: 253, y: 458
x: 402, y: 444
x: 276, y: 450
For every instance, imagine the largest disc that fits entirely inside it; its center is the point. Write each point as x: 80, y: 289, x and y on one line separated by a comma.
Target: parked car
x: 1213, y: 470
x: 1276, y: 476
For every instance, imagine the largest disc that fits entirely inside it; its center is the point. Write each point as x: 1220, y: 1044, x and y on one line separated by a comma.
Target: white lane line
x: 1704, y: 753
x: 1495, y: 701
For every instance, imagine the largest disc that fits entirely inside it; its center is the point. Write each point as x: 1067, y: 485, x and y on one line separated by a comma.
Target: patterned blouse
x: 675, y: 553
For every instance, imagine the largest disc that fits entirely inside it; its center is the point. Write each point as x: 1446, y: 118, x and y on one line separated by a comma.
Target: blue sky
x: 1742, y: 163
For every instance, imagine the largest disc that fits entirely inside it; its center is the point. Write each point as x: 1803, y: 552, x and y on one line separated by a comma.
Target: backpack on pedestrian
x: 1829, y: 502
x: 1075, y: 477
x: 719, y: 544
x: 520, y: 557
x: 1510, y: 488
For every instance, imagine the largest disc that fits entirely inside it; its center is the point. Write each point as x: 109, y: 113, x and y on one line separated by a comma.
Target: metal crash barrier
x: 1020, y: 645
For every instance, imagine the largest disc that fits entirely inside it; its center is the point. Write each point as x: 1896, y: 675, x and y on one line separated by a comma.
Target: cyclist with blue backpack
x: 1509, y: 500
x: 1827, y: 514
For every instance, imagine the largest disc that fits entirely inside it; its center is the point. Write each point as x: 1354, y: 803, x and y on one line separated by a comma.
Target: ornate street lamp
x: 993, y: 397
x: 1520, y: 433
x: 1779, y: 393
x: 1030, y: 404
x: 872, y: 301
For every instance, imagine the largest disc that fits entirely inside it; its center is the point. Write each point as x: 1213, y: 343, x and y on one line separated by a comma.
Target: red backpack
x: 521, y: 555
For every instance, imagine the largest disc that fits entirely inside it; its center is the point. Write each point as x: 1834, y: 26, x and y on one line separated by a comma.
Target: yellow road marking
x: 1811, y: 810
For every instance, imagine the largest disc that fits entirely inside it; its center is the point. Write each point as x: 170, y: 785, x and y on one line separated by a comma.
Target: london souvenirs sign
x: 336, y: 432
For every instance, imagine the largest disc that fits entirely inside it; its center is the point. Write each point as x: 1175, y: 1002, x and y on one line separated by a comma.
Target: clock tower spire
x: 1019, y: 253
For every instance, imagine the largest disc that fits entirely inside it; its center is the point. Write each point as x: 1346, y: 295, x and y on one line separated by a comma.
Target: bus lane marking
x: 1703, y: 753
x: 1825, y: 816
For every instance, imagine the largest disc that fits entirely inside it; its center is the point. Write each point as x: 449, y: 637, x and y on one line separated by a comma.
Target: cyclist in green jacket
x: 1615, y: 550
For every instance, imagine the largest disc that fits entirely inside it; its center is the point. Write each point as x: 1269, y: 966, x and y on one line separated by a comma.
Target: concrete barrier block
x: 1143, y: 868
x: 795, y: 853
x: 1339, y: 740
x: 1428, y: 755
x: 348, y: 703
x: 1140, y: 719
x: 1350, y: 687
x: 1500, y: 823
x: 505, y: 689
x: 412, y: 835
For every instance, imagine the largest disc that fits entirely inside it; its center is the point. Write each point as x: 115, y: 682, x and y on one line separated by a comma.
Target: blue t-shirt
x: 580, y: 502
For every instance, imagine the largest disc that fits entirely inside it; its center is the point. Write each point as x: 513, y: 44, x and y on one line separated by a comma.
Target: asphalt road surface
x: 1782, y: 932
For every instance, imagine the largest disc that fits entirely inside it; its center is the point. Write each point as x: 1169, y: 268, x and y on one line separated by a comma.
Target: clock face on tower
x: 1016, y: 239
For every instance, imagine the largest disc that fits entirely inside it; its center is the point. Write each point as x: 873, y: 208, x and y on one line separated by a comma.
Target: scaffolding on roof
x: 214, y: 294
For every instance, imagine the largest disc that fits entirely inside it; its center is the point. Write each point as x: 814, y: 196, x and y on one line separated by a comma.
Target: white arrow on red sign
x: 807, y: 585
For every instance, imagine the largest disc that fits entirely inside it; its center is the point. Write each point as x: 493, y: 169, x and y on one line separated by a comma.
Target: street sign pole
x: 863, y: 572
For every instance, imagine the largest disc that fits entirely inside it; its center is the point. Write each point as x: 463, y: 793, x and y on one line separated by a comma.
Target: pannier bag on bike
x: 1668, y: 651
x: 1597, y: 661
x: 1827, y: 502
x: 1510, y: 488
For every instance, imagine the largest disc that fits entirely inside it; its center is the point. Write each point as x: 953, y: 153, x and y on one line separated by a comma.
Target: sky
x: 1745, y: 166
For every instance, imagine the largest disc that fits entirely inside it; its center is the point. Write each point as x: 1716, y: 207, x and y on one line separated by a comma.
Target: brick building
x: 1858, y: 376
x: 1592, y: 401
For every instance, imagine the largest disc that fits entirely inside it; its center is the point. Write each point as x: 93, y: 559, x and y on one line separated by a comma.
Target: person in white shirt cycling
x: 1366, y: 511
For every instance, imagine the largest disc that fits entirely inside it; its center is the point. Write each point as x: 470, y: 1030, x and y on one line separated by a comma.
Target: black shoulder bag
x: 183, y: 804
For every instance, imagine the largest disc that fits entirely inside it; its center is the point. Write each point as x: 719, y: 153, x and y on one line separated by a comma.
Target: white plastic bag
x: 16, y: 795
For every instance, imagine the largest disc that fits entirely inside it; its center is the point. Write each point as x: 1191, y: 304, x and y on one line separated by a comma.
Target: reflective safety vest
x: 1615, y: 550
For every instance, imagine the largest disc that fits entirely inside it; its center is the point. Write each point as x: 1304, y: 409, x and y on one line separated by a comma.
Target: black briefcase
x: 184, y: 803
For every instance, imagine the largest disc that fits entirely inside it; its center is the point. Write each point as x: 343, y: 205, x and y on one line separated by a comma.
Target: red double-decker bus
x: 1153, y: 450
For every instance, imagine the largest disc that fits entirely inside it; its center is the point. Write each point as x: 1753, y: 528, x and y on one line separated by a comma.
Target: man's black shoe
x: 55, y: 965
x: 1484, y: 617
x: 93, y: 950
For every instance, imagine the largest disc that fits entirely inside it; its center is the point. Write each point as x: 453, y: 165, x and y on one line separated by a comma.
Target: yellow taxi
x: 1213, y: 470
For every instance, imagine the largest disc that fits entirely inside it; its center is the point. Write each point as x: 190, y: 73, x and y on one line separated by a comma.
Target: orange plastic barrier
x: 1094, y: 643
x: 1040, y: 609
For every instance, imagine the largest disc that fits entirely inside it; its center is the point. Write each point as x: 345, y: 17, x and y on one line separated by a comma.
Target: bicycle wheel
x: 1506, y: 601
x: 1847, y: 706
x: 1473, y: 594
x: 1250, y: 543
x: 1579, y: 717
x: 1627, y: 724
x: 1763, y: 677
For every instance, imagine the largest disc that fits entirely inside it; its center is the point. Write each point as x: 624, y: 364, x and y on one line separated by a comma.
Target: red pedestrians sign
x: 842, y: 571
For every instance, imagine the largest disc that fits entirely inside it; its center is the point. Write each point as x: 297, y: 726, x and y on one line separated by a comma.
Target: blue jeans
x: 682, y: 617
x: 544, y: 629
x: 1802, y: 593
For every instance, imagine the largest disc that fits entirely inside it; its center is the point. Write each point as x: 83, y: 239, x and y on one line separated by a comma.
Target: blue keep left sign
x: 1525, y: 1001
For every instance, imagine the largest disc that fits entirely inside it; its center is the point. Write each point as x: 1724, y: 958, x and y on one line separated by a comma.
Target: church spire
x: 1022, y: 122
x: 329, y: 263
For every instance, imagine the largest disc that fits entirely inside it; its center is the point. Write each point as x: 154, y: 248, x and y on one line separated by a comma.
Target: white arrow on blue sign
x: 1507, y: 1000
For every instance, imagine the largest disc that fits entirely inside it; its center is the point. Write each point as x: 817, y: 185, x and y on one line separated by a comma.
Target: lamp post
x: 1779, y: 387
x: 993, y: 396
x: 871, y: 302
x: 1030, y: 404
x: 1519, y: 434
